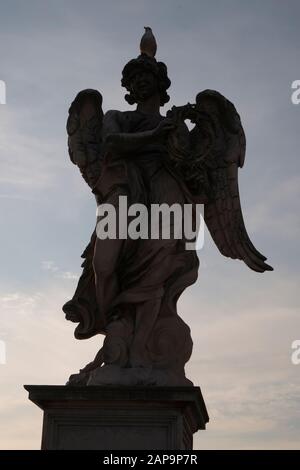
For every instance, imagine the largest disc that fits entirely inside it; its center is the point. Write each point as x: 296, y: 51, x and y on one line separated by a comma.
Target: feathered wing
x: 84, y: 127
x: 218, y: 142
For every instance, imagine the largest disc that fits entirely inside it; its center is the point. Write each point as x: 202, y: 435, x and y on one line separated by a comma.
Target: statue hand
x: 163, y: 128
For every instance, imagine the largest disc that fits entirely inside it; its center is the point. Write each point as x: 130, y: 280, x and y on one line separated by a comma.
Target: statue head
x: 144, y: 77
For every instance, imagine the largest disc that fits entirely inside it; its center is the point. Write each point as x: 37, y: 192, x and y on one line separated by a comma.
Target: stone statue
x: 129, y: 288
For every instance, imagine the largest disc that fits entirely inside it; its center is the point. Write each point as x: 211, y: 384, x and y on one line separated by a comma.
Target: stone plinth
x: 119, y: 418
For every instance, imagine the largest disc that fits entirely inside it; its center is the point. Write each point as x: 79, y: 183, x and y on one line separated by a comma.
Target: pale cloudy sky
x: 242, y: 323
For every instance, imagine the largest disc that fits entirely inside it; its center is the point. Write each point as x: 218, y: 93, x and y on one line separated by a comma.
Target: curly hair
x: 148, y: 64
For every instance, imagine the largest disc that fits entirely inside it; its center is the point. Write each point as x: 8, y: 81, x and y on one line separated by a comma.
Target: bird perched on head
x: 148, y: 43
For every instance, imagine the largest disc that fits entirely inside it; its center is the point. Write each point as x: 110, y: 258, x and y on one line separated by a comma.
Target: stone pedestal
x: 119, y: 417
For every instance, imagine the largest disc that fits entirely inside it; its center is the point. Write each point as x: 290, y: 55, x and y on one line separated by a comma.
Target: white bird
x: 148, y: 43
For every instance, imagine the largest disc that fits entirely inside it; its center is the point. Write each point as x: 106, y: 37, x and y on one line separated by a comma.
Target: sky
x: 243, y: 323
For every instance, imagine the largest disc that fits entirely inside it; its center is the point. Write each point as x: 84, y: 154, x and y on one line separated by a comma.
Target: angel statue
x: 129, y: 287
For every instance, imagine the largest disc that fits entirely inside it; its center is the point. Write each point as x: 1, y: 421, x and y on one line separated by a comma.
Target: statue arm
x: 120, y: 142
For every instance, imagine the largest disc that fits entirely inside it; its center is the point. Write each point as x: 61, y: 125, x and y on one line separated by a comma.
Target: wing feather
x: 84, y: 127
x: 223, y: 213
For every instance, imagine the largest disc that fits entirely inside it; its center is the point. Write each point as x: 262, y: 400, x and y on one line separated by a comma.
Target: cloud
x: 27, y: 161
x: 242, y: 323
x: 277, y: 213
x: 241, y: 360
x: 40, y: 349
x: 49, y: 266
x: 52, y: 268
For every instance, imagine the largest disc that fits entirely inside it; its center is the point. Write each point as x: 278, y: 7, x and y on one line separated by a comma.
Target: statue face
x: 143, y: 85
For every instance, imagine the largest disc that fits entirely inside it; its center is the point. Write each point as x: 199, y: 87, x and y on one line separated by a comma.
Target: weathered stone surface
x: 111, y: 418
x: 130, y: 285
